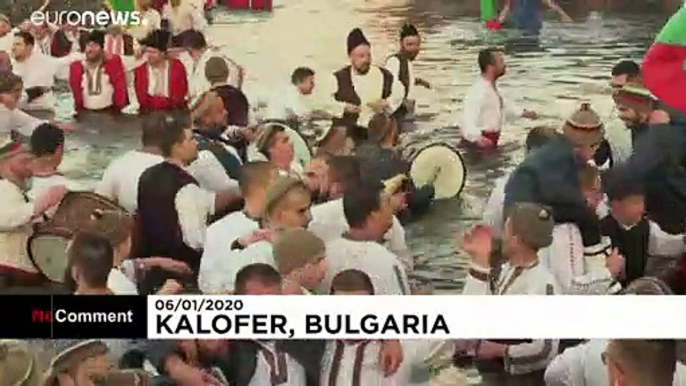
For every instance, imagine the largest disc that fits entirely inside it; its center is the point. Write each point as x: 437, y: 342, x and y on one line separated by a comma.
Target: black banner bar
x: 74, y: 317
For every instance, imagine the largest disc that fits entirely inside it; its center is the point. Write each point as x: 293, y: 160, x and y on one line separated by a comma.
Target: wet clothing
x: 527, y: 15
x: 550, y: 176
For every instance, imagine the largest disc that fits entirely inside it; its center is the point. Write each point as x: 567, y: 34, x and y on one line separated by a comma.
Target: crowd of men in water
x: 194, y: 211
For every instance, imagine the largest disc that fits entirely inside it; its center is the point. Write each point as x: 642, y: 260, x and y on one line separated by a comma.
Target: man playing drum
x: 360, y: 89
x: 17, y: 216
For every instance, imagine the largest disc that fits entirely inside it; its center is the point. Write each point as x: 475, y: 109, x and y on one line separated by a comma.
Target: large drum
x: 303, y: 151
x: 47, y: 247
x: 438, y: 164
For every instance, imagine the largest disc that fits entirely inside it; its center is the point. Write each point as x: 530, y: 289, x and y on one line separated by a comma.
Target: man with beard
x: 361, y: 89
x: 218, y: 164
x: 400, y: 65
x: 485, y: 110
x: 161, y: 82
x: 239, y: 117
x: 172, y: 208
x: 658, y: 158
x: 98, y: 83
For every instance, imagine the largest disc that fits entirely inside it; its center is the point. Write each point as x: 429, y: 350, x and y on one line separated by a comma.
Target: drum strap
x: 27, y: 200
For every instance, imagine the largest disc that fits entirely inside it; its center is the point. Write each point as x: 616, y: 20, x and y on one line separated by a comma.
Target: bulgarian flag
x: 664, y: 66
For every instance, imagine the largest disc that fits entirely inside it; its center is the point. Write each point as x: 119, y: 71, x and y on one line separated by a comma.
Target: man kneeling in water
x: 382, y: 162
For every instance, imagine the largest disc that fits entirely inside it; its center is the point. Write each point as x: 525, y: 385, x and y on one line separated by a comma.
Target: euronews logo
x: 114, y: 16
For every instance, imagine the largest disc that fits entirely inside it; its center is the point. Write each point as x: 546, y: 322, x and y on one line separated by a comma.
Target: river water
x: 569, y: 64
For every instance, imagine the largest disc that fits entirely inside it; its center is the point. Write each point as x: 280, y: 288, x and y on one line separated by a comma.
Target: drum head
x: 303, y: 153
x: 442, y: 166
x: 48, y: 252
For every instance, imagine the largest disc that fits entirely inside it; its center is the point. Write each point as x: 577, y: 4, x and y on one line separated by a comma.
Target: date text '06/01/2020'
x: 274, y: 324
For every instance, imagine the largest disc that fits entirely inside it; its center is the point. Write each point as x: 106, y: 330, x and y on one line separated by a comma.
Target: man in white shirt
x: 296, y: 103
x: 195, y: 58
x: 12, y: 120
x: 151, y: 20
x: 172, y: 208
x: 400, y: 65
x: 485, y: 110
x: 217, y: 271
x: 529, y: 228
x: 47, y: 147
x: 361, y: 89
x: 328, y: 218
x: 38, y: 72
x: 275, y: 145
x: 287, y: 207
x: 17, y: 215
x: 120, y: 180
x: 369, y: 213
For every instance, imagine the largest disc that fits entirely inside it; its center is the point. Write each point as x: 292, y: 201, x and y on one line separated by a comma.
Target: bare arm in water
x: 550, y: 3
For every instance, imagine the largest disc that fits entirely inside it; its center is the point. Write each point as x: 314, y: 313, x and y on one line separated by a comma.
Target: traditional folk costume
x: 117, y: 42
x: 356, y: 363
x: 38, y: 73
x: 99, y: 88
x: 664, y: 65
x: 55, y: 42
x: 16, y: 218
x: 485, y: 112
x: 329, y: 223
x: 351, y: 87
x: 120, y: 180
x: 183, y: 19
x: 172, y: 212
x: 218, y: 164
x: 526, y: 360
x: 265, y: 141
x: 197, y: 81
x: 574, y: 272
x: 262, y: 251
x: 164, y: 87
x: 657, y: 161
x: 639, y: 242
x: 403, y: 70
x: 383, y: 267
x: 217, y: 270
x: 42, y: 182
x: 549, y: 176
x: 583, y: 365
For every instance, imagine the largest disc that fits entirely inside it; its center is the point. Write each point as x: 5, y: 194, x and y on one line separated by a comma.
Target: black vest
x: 404, y: 71
x: 346, y: 93
x: 632, y: 244
x: 158, y: 221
